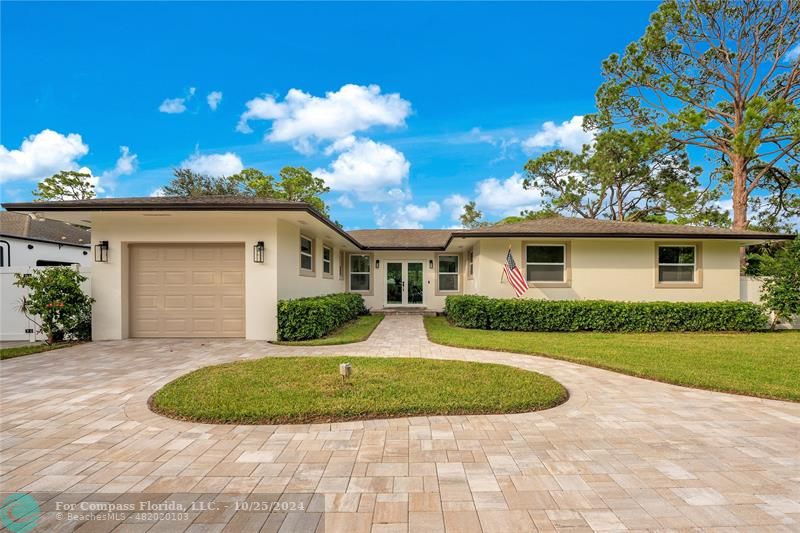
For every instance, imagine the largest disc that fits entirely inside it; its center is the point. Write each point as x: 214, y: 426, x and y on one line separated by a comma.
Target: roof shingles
x: 398, y: 239
x: 24, y: 227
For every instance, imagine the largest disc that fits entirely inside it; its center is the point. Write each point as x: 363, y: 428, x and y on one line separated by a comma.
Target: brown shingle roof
x: 24, y: 227
x: 402, y: 238
x: 159, y: 202
x: 586, y: 227
x: 406, y: 238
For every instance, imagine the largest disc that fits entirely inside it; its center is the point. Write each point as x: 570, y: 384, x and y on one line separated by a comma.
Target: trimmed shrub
x: 480, y: 312
x: 315, y: 317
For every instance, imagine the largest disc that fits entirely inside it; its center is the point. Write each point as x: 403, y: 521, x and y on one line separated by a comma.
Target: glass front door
x: 394, y: 283
x: 405, y: 283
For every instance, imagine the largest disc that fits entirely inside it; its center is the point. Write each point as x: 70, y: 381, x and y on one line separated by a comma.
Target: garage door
x: 187, y: 290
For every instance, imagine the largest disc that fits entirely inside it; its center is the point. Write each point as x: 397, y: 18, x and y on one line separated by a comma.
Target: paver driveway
x: 621, y: 453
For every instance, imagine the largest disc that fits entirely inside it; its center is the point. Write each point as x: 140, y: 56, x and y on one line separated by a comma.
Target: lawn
x: 354, y: 331
x: 19, y: 351
x: 764, y: 364
x: 282, y: 390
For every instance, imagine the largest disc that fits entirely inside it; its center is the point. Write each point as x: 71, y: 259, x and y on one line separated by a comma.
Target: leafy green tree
x: 299, y: 185
x: 189, y: 183
x: 296, y: 184
x: 528, y: 215
x: 65, y: 185
x: 632, y: 176
x: 472, y: 217
x: 56, y: 303
x: 715, y: 74
x: 780, y: 291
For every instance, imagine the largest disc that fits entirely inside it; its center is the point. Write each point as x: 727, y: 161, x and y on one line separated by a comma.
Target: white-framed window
x: 471, y: 264
x: 677, y: 264
x: 545, y: 263
x: 448, y: 268
x: 341, y: 264
x: 306, y: 254
x: 327, y: 260
x: 360, y: 273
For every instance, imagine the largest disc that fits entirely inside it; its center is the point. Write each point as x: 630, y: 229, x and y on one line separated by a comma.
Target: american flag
x: 515, y: 277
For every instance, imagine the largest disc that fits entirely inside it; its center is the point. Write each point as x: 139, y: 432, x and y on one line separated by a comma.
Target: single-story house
x: 35, y: 242
x: 217, y: 266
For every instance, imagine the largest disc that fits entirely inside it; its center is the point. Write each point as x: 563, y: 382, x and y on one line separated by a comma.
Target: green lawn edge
x: 19, y: 351
x: 762, y: 381
x: 357, y: 330
x: 307, y: 389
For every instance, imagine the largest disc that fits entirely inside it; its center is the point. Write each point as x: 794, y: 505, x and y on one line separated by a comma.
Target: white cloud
x: 213, y: 99
x: 365, y: 168
x: 408, y: 216
x: 173, y: 105
x: 126, y: 165
x: 41, y: 155
x: 345, y: 201
x: 456, y: 202
x: 304, y: 119
x: 176, y: 105
x: 505, y: 197
x: 214, y: 164
x: 157, y: 193
x: 569, y: 135
x: 793, y: 54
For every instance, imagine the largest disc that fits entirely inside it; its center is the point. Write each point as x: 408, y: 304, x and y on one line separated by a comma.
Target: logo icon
x: 19, y: 512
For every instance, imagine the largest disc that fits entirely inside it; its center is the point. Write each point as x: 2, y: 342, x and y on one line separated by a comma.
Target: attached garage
x: 186, y: 290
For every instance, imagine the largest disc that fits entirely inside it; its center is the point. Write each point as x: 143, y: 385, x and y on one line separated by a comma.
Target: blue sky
x: 407, y: 110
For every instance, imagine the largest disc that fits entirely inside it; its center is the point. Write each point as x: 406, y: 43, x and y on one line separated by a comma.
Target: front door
x: 405, y: 283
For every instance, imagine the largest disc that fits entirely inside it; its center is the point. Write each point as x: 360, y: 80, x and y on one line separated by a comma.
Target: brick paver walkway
x: 622, y: 453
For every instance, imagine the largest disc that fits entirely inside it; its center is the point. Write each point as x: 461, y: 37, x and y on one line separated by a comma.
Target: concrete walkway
x: 622, y: 453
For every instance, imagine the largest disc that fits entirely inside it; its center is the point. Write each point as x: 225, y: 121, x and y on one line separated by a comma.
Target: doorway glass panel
x: 415, y: 283
x: 394, y: 283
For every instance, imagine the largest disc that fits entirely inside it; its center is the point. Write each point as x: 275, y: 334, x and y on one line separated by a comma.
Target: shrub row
x: 599, y: 315
x: 312, y: 318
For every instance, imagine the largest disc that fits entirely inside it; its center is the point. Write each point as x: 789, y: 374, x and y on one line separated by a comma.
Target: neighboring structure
x: 29, y: 242
x: 217, y: 266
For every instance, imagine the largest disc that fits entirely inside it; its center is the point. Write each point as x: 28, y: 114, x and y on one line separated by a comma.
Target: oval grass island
x: 301, y: 390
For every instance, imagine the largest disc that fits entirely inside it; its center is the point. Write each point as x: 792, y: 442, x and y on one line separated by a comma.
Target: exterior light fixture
x: 377, y: 264
x: 101, y: 252
x: 430, y: 263
x: 258, y: 252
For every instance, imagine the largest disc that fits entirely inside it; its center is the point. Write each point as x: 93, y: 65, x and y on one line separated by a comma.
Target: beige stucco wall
x: 290, y: 283
x: 377, y: 300
x: 110, y: 280
x: 614, y: 269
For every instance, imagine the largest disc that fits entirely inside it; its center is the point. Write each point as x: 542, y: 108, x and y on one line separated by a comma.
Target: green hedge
x: 599, y: 315
x: 312, y: 318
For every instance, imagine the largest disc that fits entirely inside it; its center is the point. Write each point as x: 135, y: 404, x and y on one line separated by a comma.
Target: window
x: 327, y: 261
x: 306, y: 254
x: 545, y: 263
x: 448, y: 273
x: 341, y: 264
x: 360, y: 273
x: 471, y: 264
x: 676, y: 264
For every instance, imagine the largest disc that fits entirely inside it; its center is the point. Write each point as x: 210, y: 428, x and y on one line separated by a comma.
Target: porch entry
x: 405, y: 283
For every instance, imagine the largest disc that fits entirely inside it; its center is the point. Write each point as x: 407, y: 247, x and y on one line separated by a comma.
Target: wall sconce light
x: 430, y: 263
x: 258, y: 252
x: 101, y: 252
x: 377, y: 264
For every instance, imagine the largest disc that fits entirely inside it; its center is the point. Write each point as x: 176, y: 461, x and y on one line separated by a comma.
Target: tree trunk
x: 739, y: 170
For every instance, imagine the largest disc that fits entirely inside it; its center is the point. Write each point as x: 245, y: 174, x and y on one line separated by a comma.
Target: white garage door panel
x: 187, y: 290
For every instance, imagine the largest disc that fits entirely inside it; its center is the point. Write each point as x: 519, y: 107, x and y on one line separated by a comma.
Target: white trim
x: 693, y: 264
x: 562, y: 264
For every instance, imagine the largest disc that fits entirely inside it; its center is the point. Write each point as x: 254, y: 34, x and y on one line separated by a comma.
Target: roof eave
x: 177, y: 206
